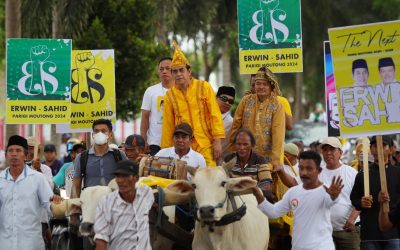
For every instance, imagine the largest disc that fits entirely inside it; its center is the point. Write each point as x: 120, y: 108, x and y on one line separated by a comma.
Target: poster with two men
x: 367, y: 79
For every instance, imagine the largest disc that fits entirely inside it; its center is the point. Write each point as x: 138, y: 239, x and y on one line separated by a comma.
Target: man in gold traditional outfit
x: 192, y: 101
x: 263, y: 115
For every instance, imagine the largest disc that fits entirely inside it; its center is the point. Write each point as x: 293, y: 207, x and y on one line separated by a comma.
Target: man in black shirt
x: 371, y: 236
x: 389, y: 220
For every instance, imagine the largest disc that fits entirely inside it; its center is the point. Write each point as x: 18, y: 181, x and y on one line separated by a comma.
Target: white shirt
x: 20, y: 209
x: 228, y: 120
x: 125, y: 225
x: 46, y: 171
x: 153, y: 99
x: 192, y: 158
x: 342, y: 208
x: 289, y: 170
x: 312, y: 229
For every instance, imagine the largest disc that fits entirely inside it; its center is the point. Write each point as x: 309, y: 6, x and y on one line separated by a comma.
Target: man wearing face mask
x: 101, y: 160
x: 97, y: 166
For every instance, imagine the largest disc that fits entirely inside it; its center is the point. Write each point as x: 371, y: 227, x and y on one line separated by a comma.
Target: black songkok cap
x: 18, y: 140
x: 384, y: 62
x: 359, y: 63
x: 226, y: 90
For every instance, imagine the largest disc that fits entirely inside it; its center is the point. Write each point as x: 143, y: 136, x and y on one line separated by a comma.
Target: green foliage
x: 2, y: 34
x: 126, y: 26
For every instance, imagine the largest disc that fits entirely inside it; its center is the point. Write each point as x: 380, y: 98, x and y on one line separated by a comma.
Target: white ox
x: 211, y: 186
x: 86, y: 206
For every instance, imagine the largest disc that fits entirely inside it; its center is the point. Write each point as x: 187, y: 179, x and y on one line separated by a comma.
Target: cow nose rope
x: 229, y: 218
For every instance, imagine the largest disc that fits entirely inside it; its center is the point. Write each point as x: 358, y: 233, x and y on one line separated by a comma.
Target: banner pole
x: 365, y: 145
x: 382, y: 172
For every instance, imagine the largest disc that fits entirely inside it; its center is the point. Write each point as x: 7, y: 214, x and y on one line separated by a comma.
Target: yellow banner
x: 92, y: 87
x: 37, y: 112
x: 367, y: 83
x: 277, y: 60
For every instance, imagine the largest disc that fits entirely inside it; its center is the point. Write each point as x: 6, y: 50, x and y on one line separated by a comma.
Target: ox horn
x: 227, y: 166
x: 142, y: 165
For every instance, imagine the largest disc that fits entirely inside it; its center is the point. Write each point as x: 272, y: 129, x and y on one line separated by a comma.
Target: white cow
x: 86, y: 206
x: 211, y: 186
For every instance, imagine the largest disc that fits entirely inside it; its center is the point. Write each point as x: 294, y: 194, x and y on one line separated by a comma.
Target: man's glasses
x: 226, y: 99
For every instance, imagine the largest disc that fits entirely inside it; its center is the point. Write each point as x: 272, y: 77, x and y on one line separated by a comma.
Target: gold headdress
x: 264, y: 73
x: 178, y: 59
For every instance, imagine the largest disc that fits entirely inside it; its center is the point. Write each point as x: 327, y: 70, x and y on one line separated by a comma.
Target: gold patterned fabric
x: 178, y: 59
x: 266, y: 120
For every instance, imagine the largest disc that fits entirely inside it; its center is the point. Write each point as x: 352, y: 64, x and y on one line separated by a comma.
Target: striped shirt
x: 124, y: 225
x: 257, y: 167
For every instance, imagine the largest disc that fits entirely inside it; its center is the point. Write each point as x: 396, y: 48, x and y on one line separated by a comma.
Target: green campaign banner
x: 38, y: 81
x: 270, y: 35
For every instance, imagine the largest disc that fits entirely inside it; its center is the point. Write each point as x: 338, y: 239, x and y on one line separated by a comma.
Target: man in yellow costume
x: 192, y: 101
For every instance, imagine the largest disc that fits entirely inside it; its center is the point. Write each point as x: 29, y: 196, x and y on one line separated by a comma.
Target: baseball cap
x: 184, y: 128
x: 134, y: 141
x: 127, y: 167
x: 385, y: 140
x: 332, y: 141
x: 292, y: 149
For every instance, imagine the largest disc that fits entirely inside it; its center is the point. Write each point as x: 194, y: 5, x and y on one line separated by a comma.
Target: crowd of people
x: 313, y: 199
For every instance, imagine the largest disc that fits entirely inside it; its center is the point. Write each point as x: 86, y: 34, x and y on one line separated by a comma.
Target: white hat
x: 292, y: 149
x: 332, y: 141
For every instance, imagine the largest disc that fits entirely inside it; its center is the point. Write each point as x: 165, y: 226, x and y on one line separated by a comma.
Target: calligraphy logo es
x: 38, y: 73
x: 85, y: 86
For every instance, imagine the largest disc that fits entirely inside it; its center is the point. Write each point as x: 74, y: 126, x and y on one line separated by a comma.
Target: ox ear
x: 181, y: 187
x: 241, y: 183
x: 178, y: 192
x: 227, y: 166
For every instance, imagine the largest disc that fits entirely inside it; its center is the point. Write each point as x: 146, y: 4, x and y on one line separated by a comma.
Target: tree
x: 13, y: 30
x: 127, y: 28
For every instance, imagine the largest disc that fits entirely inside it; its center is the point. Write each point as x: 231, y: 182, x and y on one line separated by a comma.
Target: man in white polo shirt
x: 343, y: 215
x: 182, y: 140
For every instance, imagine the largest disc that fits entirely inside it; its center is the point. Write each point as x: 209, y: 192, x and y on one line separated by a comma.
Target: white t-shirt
x: 312, y: 229
x: 342, y: 208
x: 193, y: 158
x: 289, y: 170
x: 46, y: 171
x: 153, y: 101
